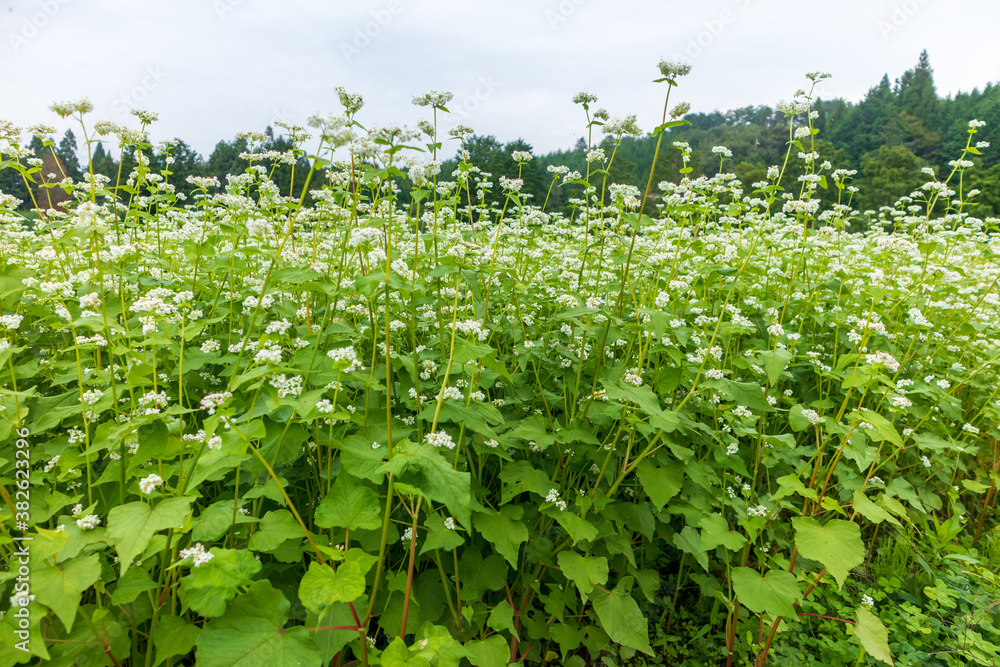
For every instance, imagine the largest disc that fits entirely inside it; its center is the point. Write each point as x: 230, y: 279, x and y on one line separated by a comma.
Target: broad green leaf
x: 584, y: 571
x: 642, y: 396
x: 439, y: 537
x: 621, y: 619
x: 131, y: 585
x: 322, y: 586
x: 715, y: 531
x: 252, y: 633
x: 426, y: 469
x: 206, y: 588
x: 661, y: 483
x: 397, y: 655
x: 873, y: 636
x: 837, y: 545
x: 504, y: 529
x: 790, y: 484
x: 276, y: 527
x: 868, y: 509
x: 216, y: 520
x: 883, y: 427
x: 349, y: 505
x: 173, y: 636
x: 330, y: 642
x: 502, y: 618
x: 797, y: 420
x: 689, y: 541
x: 492, y: 652
x: 747, y: 394
x: 361, y: 460
x: 774, y: 593
x: 579, y: 530
x: 774, y: 363
x: 60, y: 587
x: 132, y: 525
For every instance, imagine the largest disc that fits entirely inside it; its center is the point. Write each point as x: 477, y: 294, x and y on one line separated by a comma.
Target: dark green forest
x: 897, y: 129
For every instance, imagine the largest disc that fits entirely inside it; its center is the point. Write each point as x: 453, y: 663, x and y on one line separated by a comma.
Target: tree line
x: 897, y: 129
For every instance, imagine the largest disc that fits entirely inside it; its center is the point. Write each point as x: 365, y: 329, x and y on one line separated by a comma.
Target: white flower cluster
x: 214, y: 400
x: 149, y: 484
x: 440, y: 439
x: 346, y: 355
x: 88, y: 522
x: 197, y: 554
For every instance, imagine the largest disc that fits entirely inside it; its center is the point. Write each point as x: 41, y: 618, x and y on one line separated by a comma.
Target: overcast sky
x: 211, y: 68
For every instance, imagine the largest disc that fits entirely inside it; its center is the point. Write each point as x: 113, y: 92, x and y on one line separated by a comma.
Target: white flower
x: 552, y: 496
x: 867, y: 601
x: 197, y: 554
x: 759, y: 510
x: 11, y: 321
x: 449, y: 523
x: 733, y: 449
x: 811, y: 415
x: 88, y: 522
x: 440, y: 439
x: 149, y: 484
x: 214, y: 400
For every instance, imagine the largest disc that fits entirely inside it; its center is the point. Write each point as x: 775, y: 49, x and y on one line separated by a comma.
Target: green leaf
x: 579, y: 530
x: 397, y: 655
x: 252, y: 633
x: 689, y: 541
x: 504, y: 529
x: 216, y: 519
x: 747, y: 394
x: 502, y: 618
x: 715, y: 531
x: 883, y: 427
x: 60, y: 587
x: 207, y: 587
x: 349, y: 505
x: 426, y: 469
x: 797, y: 421
x: 789, y: 484
x: 621, y: 619
x: 837, y: 545
x: 131, y: 585
x: 660, y: 482
x: 774, y: 593
x: 492, y: 652
x: 868, y: 509
x: 132, y: 525
x: 773, y: 363
x: 276, y: 527
x: 873, y: 636
x: 322, y: 586
x: 439, y: 537
x: 584, y: 571
x: 173, y: 636
x: 331, y: 642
